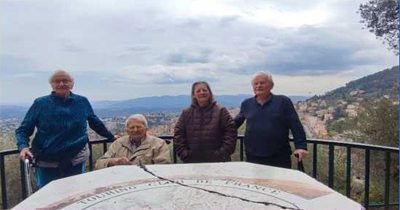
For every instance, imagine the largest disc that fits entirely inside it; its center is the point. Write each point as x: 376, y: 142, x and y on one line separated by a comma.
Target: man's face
x: 261, y: 86
x: 136, y: 129
x: 62, y: 84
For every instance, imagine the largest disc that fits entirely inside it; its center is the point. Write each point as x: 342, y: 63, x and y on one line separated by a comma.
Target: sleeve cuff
x: 22, y: 146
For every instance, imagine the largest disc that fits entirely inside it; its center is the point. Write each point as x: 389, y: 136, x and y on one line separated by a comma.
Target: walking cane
x: 28, y: 182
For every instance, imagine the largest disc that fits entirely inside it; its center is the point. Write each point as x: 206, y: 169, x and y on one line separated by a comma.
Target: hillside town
x: 313, y: 115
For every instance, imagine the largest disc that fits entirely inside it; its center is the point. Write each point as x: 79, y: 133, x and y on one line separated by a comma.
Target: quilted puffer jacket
x: 205, y: 134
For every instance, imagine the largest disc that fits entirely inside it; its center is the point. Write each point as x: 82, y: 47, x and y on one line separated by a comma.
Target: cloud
x: 201, y: 56
x: 138, y: 48
x: 10, y: 64
x: 73, y: 48
x: 309, y: 53
x: 163, y: 47
x: 25, y: 75
x: 191, y: 24
x: 165, y: 74
x: 228, y: 20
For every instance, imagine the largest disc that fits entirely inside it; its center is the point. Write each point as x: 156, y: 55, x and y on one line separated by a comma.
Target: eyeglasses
x: 59, y: 81
x: 137, y: 127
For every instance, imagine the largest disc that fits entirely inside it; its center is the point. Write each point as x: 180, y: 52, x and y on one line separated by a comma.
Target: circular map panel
x: 184, y: 194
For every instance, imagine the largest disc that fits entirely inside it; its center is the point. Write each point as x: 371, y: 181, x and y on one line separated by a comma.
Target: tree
x: 377, y: 124
x: 381, y: 18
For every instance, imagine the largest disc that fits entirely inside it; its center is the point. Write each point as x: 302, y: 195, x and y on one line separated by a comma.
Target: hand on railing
x: 300, y: 154
x: 25, y: 153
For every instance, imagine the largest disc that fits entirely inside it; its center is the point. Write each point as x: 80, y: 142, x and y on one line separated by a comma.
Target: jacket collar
x: 71, y: 96
x: 143, y: 146
x: 196, y: 106
x: 268, y: 101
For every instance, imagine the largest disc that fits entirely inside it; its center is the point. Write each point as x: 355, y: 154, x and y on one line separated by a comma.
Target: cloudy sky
x: 125, y: 49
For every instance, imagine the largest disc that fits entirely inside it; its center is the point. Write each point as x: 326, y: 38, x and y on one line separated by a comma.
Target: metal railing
x: 317, y: 145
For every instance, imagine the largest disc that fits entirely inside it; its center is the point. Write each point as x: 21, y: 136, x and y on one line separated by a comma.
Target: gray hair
x: 265, y: 74
x: 51, y: 78
x: 137, y: 117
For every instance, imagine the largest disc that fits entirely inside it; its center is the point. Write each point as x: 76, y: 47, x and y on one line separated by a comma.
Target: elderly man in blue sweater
x: 269, y: 118
x: 60, y: 142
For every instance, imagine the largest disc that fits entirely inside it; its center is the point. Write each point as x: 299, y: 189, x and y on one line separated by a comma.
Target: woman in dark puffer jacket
x: 205, y: 131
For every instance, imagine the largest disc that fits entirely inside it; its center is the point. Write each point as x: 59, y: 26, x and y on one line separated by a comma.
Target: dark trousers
x: 281, y: 159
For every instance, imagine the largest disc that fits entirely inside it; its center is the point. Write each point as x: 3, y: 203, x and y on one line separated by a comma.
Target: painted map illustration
x: 234, y: 185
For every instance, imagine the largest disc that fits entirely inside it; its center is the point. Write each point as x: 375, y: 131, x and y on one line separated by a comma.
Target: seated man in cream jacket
x: 136, y: 147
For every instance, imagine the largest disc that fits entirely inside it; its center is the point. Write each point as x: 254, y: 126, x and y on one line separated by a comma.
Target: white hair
x: 139, y: 117
x: 265, y: 74
x: 51, y: 78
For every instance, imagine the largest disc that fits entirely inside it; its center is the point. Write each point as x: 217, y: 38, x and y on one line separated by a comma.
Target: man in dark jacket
x: 269, y: 118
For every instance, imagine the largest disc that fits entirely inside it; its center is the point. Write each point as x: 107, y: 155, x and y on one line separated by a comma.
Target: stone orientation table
x: 231, y: 185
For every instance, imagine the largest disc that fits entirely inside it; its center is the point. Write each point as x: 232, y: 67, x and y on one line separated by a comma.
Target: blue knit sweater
x: 61, y: 127
x: 268, y: 125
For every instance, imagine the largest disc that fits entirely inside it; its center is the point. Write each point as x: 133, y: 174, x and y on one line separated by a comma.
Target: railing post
x: 104, y: 147
x: 241, y: 149
x: 348, y: 171
x: 366, y: 182
x: 90, y: 156
x: 174, y: 154
x: 3, y: 183
x: 315, y: 153
x: 331, y: 168
x: 387, y: 179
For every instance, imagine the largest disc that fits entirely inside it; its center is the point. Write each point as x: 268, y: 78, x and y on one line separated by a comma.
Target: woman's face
x: 202, y: 94
x: 62, y: 84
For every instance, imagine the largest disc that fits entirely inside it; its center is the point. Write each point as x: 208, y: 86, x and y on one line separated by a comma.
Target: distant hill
x: 374, y: 86
x: 164, y: 103
x: 11, y: 111
x: 138, y: 105
x: 338, y: 107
